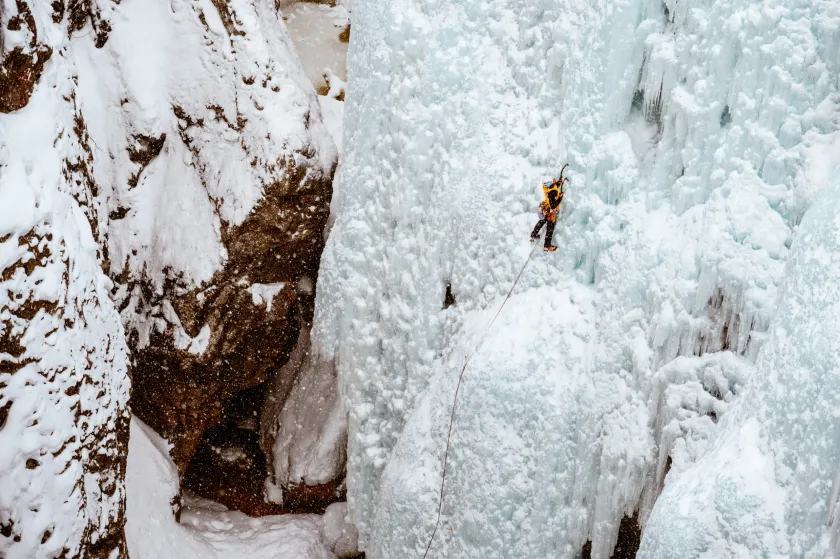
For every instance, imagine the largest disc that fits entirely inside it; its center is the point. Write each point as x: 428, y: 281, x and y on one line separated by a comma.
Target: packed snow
x: 339, y: 535
x: 316, y: 30
x: 332, y: 109
x: 303, y: 422
x: 264, y: 293
x: 206, y: 529
x: 311, y: 428
x: 699, y: 134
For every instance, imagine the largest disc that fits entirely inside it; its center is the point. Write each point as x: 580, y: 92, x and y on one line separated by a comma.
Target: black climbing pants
x: 549, y: 230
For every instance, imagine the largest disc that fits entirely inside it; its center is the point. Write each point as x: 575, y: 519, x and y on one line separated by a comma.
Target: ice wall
x: 695, y: 133
x: 768, y: 487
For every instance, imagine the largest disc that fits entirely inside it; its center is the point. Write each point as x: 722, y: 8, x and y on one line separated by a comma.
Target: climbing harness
x: 458, y: 389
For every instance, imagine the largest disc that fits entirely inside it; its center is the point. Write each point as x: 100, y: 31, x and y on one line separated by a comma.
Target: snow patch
x: 206, y: 529
x: 338, y: 533
x: 264, y: 293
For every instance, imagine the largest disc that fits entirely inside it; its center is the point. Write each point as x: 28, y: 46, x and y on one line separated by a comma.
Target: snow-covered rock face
x: 698, y: 135
x: 223, y: 184
x: 178, y: 148
x: 23, y: 56
x: 63, y: 382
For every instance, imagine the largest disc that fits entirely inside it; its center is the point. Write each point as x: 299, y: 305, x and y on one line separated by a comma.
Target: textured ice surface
x: 766, y: 488
x: 698, y: 136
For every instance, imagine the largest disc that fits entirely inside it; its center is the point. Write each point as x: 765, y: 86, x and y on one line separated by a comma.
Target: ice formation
x: 768, y: 488
x: 672, y: 365
x: 699, y: 134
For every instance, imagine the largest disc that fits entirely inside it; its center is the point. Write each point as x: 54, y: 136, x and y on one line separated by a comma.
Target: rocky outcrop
x: 22, y: 56
x: 196, y: 174
x: 217, y: 218
x: 221, y: 338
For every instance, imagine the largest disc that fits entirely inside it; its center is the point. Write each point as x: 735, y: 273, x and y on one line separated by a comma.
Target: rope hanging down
x: 458, y: 389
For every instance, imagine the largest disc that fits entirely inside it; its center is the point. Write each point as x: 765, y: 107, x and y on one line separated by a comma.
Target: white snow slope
x: 234, y: 104
x: 699, y: 134
x: 204, y: 530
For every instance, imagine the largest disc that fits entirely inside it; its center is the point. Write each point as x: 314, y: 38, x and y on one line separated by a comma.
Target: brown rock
x: 79, y: 12
x: 21, y: 67
x: 181, y: 391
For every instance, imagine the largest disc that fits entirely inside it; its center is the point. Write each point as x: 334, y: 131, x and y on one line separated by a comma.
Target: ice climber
x: 548, y: 210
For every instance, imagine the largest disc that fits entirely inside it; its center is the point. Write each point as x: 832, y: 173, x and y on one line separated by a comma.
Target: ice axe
x: 561, y: 180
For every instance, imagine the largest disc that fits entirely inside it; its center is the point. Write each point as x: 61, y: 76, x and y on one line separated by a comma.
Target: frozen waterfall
x: 699, y: 135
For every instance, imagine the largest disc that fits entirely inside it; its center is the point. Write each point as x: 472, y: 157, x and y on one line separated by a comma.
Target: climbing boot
x: 534, y: 239
x: 550, y: 248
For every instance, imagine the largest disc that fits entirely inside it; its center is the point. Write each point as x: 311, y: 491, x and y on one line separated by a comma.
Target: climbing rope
x: 458, y: 389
